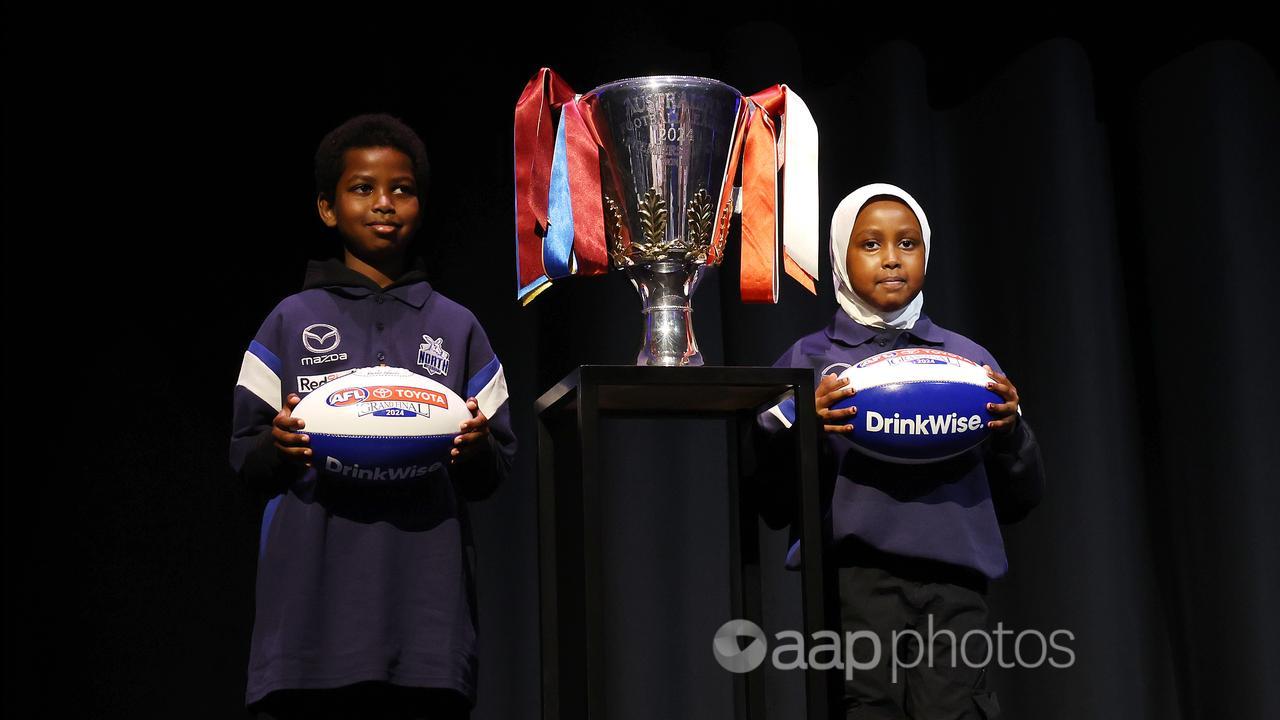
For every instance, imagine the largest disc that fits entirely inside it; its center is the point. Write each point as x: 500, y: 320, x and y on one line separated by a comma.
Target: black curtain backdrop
x: 1104, y: 216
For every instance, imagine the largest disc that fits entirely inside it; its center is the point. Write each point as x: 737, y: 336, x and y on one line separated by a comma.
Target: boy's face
x: 375, y: 207
x: 886, y: 255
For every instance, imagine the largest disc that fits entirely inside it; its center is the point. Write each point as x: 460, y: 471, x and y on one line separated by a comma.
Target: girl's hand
x: 830, y: 391
x: 1006, y: 412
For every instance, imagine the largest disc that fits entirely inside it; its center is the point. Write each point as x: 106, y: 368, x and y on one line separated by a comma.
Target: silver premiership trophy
x: 667, y: 143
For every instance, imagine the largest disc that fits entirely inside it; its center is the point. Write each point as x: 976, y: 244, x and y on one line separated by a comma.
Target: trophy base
x: 688, y: 358
x: 694, y: 361
x: 665, y: 290
x: 668, y: 338
x: 645, y: 359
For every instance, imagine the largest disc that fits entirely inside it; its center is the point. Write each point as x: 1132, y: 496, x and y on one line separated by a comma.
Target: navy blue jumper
x: 948, y: 511
x: 360, y: 581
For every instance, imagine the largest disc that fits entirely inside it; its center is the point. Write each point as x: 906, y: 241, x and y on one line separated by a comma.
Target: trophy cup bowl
x: 666, y: 145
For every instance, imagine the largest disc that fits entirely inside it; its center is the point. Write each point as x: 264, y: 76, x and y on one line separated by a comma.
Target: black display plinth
x: 569, y: 533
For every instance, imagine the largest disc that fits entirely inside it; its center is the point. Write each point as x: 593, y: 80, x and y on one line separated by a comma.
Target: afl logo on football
x: 321, y: 338
x: 350, y: 396
x: 385, y: 393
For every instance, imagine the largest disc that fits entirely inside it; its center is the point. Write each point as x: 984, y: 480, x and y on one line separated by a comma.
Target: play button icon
x: 739, y: 646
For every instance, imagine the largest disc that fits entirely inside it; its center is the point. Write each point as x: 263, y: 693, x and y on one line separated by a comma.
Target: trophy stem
x: 665, y: 290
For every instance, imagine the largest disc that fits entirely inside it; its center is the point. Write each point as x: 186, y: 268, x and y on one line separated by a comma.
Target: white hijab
x: 841, y: 226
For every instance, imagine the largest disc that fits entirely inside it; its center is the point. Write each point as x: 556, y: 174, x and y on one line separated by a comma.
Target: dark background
x: 1104, y: 214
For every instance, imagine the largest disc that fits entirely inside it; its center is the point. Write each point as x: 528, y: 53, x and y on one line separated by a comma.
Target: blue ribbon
x: 557, y: 246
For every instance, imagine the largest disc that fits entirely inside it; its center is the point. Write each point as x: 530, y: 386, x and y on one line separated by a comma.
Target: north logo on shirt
x: 432, y: 356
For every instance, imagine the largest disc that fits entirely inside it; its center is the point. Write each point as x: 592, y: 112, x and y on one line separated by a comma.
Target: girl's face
x: 885, y: 260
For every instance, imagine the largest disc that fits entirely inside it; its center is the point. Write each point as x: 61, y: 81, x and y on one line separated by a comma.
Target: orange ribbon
x: 758, y: 274
x: 763, y: 158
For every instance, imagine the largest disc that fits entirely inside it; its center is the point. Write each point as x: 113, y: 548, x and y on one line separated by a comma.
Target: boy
x: 365, y: 593
x: 914, y: 544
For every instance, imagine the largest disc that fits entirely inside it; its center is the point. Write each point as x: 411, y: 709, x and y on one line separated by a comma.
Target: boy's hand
x: 291, y: 445
x: 830, y: 391
x: 473, y: 439
x: 1007, y: 411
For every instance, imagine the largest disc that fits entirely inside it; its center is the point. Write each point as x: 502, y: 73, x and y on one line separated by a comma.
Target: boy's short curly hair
x: 365, y: 131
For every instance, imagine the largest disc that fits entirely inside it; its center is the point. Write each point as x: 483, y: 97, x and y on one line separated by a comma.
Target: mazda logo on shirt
x: 321, y: 338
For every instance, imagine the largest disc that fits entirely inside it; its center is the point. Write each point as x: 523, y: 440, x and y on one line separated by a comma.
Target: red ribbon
x: 584, y: 189
x: 534, y: 147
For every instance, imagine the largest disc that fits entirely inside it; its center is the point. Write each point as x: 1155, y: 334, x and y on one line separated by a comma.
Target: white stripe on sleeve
x: 258, y: 379
x: 493, y: 394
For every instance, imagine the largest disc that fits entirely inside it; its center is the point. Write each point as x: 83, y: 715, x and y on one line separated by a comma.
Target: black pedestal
x: 569, y: 539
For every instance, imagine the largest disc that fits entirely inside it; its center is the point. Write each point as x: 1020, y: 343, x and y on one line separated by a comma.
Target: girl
x: 915, y: 545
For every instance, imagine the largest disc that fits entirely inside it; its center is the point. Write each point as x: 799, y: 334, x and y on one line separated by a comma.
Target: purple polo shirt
x: 948, y: 511
x: 365, y: 581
